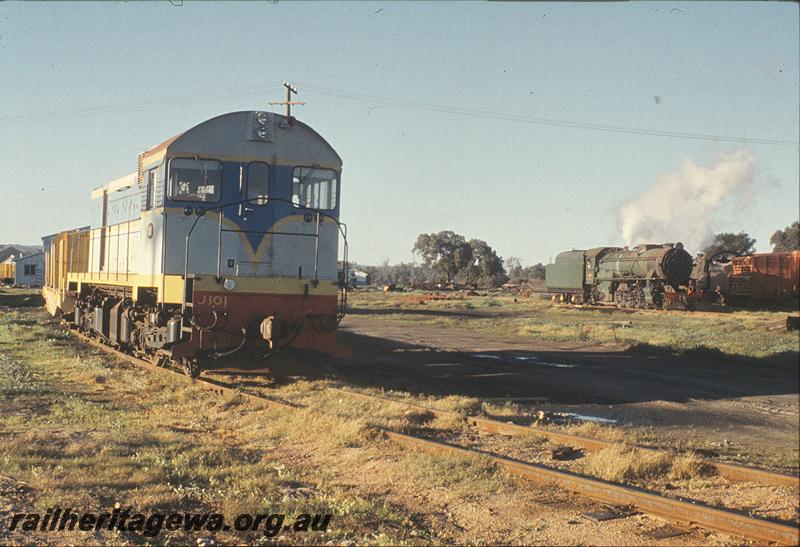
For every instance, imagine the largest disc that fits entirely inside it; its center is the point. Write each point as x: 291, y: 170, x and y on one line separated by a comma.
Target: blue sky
x: 530, y: 190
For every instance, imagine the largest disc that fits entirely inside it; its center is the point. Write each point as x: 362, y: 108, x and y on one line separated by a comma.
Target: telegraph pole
x: 288, y: 102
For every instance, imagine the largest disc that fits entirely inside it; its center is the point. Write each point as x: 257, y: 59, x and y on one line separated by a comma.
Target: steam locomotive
x: 646, y: 276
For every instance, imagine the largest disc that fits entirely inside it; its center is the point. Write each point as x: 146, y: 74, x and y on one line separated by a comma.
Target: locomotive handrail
x: 267, y: 232
x: 200, y: 211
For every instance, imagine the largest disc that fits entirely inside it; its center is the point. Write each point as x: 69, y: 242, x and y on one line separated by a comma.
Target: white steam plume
x: 681, y: 204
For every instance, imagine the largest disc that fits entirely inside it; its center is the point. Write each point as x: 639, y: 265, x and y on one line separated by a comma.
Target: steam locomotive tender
x: 642, y: 277
x: 225, y: 238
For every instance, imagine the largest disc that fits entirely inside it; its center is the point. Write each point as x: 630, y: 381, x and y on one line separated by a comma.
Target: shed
x: 29, y: 270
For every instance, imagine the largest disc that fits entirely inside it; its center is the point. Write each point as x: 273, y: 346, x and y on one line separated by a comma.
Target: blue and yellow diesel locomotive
x: 225, y: 238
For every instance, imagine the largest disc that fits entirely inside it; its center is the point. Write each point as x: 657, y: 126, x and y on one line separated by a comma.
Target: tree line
x: 782, y: 241
x: 449, y: 258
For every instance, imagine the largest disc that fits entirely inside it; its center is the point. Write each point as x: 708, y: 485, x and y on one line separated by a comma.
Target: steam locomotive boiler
x: 646, y: 276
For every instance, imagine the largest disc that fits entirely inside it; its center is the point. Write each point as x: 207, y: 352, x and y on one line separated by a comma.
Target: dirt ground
x: 78, y: 427
x: 746, y: 410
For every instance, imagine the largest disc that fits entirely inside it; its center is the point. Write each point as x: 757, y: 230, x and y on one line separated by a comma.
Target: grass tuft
x: 691, y: 466
x: 625, y: 464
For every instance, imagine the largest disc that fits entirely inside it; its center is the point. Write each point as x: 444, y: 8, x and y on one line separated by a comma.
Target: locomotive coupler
x: 274, y: 329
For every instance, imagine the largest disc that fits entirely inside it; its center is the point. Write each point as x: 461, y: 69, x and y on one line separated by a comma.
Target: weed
x: 690, y: 466
x: 625, y: 464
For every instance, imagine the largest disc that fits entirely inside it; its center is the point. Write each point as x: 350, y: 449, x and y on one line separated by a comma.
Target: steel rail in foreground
x: 721, y: 520
x: 730, y: 471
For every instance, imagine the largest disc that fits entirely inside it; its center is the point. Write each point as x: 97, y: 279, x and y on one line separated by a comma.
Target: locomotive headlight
x: 262, y: 132
x: 229, y: 284
x: 262, y: 118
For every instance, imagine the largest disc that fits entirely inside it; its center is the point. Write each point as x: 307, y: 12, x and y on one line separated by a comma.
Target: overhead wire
x: 258, y: 89
x: 504, y: 116
x: 138, y: 106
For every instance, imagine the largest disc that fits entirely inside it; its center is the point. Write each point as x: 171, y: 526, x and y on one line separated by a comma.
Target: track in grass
x: 684, y: 512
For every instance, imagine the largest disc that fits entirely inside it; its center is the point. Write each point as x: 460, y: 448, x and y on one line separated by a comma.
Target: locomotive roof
x: 121, y: 183
x: 229, y: 136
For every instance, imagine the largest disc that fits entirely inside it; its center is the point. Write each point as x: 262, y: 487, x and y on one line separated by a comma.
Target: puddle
x: 557, y: 365
x: 490, y: 375
x: 585, y: 418
x: 524, y: 358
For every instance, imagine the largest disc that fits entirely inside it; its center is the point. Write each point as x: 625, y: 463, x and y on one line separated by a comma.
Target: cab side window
x: 152, y: 178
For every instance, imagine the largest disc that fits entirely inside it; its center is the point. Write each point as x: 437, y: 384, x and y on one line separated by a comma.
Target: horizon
x: 477, y: 118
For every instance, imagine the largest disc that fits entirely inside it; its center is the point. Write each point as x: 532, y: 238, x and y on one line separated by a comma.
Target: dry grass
x: 460, y: 404
x: 637, y: 466
x: 594, y: 430
x: 625, y: 464
x: 82, y: 431
x: 411, y: 421
x: 690, y: 466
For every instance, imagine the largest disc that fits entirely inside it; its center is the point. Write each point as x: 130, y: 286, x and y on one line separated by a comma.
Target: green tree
x: 786, y: 240
x: 536, y: 271
x: 516, y: 273
x: 519, y: 274
x: 446, y: 253
x: 740, y: 243
x: 484, y: 268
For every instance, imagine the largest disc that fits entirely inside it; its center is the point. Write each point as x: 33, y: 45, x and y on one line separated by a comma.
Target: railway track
x: 686, y: 513
x: 730, y: 471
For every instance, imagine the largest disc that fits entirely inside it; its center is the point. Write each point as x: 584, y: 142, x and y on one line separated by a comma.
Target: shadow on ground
x: 565, y: 377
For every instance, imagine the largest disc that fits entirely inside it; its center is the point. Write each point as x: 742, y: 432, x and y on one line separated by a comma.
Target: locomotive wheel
x: 191, y: 367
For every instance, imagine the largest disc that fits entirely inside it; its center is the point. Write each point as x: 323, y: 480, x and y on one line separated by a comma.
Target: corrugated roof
x: 23, y: 257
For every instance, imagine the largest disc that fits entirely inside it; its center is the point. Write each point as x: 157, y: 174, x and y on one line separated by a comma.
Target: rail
x: 730, y: 471
x: 690, y: 513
